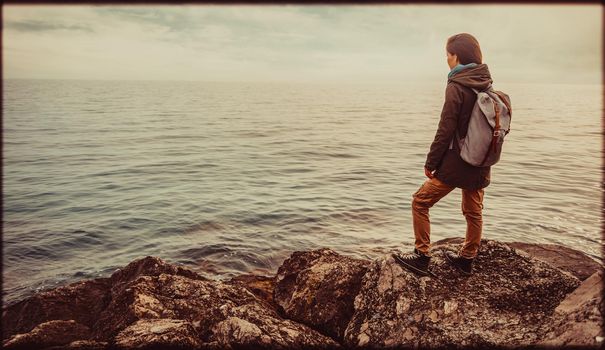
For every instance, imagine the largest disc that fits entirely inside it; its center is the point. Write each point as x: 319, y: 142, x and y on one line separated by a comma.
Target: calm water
x: 230, y: 178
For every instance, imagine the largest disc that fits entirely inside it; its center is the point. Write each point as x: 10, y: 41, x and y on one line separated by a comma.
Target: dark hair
x: 466, y: 47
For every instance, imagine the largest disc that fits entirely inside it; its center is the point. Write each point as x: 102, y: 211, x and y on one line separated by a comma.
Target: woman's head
x: 463, y: 48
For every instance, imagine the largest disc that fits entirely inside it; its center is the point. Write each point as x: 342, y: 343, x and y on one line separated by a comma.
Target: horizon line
x: 301, y: 81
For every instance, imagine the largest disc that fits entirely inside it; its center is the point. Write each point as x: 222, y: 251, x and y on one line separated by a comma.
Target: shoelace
x: 409, y: 256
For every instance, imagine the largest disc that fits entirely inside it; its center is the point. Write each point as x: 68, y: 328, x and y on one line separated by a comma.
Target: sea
x: 228, y: 178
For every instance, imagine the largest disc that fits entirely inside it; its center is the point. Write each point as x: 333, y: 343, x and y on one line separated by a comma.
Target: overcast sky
x: 374, y: 43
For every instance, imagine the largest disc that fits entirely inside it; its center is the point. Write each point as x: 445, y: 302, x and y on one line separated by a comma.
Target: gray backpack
x: 488, y: 125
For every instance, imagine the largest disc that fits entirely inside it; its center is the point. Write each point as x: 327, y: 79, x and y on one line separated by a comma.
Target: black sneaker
x: 465, y: 265
x: 415, y: 262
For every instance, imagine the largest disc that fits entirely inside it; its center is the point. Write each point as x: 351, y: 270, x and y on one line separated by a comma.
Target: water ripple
x: 230, y: 178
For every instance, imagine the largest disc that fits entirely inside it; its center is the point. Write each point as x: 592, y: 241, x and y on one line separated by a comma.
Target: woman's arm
x: 447, y: 126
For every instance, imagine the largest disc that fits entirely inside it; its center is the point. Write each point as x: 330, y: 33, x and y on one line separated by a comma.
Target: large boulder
x: 222, y: 313
x: 82, y: 301
x: 318, y: 287
x: 578, y: 320
x: 502, y: 303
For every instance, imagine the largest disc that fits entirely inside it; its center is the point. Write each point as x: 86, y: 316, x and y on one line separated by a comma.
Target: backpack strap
x: 489, y: 88
x: 505, y: 101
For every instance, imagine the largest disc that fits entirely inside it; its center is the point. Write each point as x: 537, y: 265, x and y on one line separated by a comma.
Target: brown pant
x: 430, y: 193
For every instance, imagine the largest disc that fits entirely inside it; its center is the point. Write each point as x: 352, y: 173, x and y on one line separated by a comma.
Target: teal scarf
x: 460, y: 67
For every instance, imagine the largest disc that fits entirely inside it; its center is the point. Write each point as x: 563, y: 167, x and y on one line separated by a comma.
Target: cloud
x: 298, y: 42
x: 174, y: 19
x: 38, y: 25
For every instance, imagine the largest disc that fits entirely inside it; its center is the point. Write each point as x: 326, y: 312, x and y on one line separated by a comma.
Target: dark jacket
x: 457, y: 108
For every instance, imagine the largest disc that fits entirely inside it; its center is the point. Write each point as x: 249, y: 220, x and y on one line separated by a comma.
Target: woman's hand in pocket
x: 428, y: 173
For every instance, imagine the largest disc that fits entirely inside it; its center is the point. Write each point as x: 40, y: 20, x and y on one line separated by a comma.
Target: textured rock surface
x: 320, y: 299
x: 71, y: 302
x: 82, y: 301
x: 153, y: 304
x: 578, y: 320
x: 567, y: 259
x: 49, y: 333
x: 500, y: 304
x: 261, y: 286
x: 80, y: 345
x: 318, y: 288
x: 159, y: 333
x: 573, y: 261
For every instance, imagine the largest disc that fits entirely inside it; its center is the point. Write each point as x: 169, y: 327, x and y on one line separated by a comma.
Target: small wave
x: 223, y: 260
x: 204, y: 226
x: 39, y: 253
x: 367, y: 216
x: 329, y: 154
x: 260, y: 219
x: 254, y: 134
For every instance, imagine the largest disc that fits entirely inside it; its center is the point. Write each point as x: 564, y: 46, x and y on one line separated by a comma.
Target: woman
x: 444, y: 168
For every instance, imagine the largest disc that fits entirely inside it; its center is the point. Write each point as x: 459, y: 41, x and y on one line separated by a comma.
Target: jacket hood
x: 476, y: 77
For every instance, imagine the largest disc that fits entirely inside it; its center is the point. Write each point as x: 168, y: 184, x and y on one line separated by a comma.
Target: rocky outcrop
x: 578, y: 319
x: 317, y: 288
x: 155, y: 305
x: 83, y: 301
x: 500, y: 304
x: 322, y: 299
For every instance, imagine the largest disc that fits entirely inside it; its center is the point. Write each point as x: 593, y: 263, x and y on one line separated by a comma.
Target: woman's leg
x: 472, y: 205
x: 431, y: 191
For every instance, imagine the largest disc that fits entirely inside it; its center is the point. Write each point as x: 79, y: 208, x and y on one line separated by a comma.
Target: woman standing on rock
x: 444, y: 167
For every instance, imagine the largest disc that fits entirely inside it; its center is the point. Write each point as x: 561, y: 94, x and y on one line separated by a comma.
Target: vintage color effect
x: 321, y: 143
